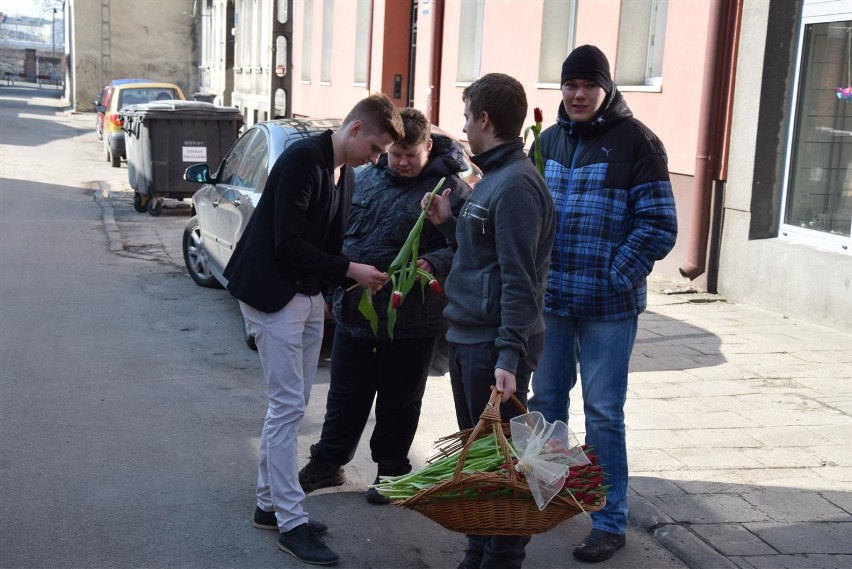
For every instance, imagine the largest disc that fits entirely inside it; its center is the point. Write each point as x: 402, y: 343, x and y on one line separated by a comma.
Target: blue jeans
x: 602, y: 348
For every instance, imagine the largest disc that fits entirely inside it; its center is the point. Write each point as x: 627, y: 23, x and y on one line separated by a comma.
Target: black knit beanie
x: 589, y: 63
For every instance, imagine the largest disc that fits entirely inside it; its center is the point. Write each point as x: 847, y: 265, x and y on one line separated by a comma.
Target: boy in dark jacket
x: 367, y: 366
x: 279, y: 270
x: 496, y: 284
x: 615, y: 217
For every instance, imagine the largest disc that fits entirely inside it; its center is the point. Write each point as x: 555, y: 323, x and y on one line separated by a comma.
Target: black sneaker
x: 599, y: 545
x: 305, y: 545
x: 319, y: 473
x: 374, y: 497
x: 266, y: 520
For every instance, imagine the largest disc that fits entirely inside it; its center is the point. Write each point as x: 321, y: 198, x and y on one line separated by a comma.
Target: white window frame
x: 813, y: 12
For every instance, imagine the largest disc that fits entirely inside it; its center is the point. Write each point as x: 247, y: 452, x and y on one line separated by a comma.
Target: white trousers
x: 288, y: 343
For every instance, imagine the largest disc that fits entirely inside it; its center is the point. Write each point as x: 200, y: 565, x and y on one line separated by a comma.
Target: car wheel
x: 114, y: 160
x: 106, y: 150
x: 195, y: 256
x: 140, y: 202
x: 155, y: 206
x: 248, y: 337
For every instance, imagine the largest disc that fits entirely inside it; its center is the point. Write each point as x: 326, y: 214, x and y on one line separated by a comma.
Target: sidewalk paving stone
x: 798, y: 538
x: 733, y: 539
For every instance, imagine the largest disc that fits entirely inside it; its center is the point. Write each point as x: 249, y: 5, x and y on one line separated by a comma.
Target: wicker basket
x: 505, y: 515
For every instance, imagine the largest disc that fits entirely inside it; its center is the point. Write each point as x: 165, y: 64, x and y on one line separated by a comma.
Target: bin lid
x: 175, y: 109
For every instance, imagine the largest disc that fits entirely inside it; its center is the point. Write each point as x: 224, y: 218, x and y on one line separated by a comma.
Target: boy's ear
x: 486, y: 120
x: 356, y: 126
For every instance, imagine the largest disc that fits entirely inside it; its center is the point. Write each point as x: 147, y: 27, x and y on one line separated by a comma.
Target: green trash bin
x: 164, y: 138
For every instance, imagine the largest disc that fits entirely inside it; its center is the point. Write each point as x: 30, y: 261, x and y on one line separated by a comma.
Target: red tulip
x: 396, y: 300
x: 537, y: 115
x: 435, y: 286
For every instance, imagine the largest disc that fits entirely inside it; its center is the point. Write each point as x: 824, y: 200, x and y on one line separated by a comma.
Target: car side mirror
x: 100, y: 108
x: 198, y: 173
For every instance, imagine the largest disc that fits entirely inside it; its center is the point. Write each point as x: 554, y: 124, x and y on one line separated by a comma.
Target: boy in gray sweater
x: 495, y: 288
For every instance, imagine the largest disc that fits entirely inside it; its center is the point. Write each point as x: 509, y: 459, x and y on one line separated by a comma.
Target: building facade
x: 749, y: 98
x: 112, y: 39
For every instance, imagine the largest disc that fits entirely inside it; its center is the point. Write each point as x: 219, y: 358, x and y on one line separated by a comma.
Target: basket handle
x: 491, y: 414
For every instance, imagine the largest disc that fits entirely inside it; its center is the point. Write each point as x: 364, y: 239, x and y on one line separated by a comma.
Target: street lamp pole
x: 53, y: 33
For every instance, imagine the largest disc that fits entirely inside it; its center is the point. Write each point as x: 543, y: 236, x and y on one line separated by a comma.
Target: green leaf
x: 365, y: 307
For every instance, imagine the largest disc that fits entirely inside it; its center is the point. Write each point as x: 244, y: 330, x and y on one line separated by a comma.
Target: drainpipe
x: 705, y: 161
x: 435, y: 60
x: 370, y: 47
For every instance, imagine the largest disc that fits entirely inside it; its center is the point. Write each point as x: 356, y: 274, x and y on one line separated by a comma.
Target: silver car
x: 221, y: 209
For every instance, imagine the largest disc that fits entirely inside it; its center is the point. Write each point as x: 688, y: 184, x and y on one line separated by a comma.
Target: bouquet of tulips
x: 403, y: 273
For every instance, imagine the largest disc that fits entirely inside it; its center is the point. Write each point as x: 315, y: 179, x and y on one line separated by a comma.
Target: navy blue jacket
x: 615, y: 212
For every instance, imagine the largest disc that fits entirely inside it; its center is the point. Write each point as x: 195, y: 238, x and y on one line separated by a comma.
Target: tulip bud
x: 435, y: 286
x: 537, y: 115
x: 396, y: 300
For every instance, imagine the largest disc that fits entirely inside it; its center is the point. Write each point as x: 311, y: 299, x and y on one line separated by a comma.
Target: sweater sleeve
x: 517, y: 239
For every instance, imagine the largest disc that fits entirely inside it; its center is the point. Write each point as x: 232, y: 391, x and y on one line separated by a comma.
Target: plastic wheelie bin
x: 163, y: 138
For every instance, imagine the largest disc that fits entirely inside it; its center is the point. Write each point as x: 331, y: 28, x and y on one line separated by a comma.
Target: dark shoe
x: 374, y: 497
x: 599, y: 545
x: 319, y: 473
x: 266, y: 520
x: 303, y: 544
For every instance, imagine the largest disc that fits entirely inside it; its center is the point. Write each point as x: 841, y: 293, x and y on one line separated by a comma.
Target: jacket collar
x: 495, y: 157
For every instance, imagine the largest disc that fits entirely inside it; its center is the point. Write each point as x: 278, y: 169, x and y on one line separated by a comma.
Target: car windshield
x: 145, y: 95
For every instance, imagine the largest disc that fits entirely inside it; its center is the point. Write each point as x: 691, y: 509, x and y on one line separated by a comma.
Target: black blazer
x: 293, y: 240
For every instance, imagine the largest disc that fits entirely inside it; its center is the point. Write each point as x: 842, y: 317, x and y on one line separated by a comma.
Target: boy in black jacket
x: 289, y: 252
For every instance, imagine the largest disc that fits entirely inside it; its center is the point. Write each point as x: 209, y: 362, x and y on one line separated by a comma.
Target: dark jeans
x: 471, y: 377
x: 394, y: 374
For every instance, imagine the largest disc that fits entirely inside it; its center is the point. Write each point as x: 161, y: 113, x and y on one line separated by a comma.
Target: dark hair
x: 503, y: 98
x: 416, y: 126
x: 378, y: 114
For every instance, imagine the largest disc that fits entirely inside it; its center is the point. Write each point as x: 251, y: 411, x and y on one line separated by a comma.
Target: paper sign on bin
x: 195, y: 154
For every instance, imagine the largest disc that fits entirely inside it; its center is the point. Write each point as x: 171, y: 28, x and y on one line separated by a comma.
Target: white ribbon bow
x: 545, y: 452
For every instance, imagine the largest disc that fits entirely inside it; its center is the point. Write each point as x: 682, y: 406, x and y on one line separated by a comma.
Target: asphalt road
x: 130, y: 407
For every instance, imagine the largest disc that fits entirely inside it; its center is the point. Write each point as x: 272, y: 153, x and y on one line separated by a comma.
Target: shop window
x: 817, y: 199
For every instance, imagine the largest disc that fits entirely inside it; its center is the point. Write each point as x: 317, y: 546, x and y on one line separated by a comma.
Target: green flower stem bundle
x: 403, y: 273
x: 484, y: 455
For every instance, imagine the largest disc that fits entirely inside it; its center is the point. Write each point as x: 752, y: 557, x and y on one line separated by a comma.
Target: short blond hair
x: 378, y: 114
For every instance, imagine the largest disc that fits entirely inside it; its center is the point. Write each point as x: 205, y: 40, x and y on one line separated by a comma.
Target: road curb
x: 677, y: 538
x: 100, y: 192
